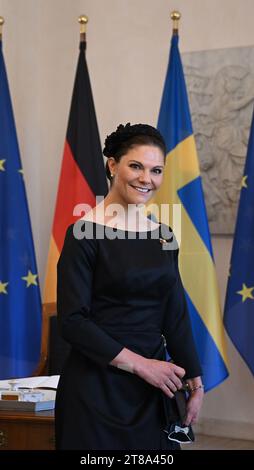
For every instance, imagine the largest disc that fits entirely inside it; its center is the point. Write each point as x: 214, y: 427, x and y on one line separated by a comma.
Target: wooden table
x: 27, y: 430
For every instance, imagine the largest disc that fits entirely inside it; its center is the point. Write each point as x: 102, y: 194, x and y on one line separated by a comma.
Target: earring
x: 111, y: 174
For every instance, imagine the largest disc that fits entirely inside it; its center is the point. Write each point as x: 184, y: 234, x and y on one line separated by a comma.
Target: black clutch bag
x: 175, y: 411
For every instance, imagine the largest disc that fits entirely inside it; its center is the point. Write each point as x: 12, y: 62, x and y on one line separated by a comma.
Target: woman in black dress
x: 120, y: 302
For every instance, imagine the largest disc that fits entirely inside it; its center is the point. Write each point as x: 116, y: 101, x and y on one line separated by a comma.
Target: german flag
x: 82, y: 175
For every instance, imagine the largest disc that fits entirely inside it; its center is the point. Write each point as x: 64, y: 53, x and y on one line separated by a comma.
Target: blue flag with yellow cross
x: 182, y: 186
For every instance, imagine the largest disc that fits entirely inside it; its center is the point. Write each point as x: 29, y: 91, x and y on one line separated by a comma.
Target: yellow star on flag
x: 2, y: 165
x: 3, y: 286
x: 243, y: 182
x: 21, y: 171
x: 30, y: 279
x: 246, y: 292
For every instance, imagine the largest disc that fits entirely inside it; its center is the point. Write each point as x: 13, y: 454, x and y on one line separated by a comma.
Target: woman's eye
x: 134, y: 165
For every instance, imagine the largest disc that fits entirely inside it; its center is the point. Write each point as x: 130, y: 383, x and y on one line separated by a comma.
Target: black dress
x: 115, y: 293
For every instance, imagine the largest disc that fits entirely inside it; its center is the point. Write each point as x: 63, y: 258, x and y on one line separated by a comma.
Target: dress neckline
x: 124, y: 230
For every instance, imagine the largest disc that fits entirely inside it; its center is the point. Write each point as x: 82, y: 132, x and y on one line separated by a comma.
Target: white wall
x: 128, y: 45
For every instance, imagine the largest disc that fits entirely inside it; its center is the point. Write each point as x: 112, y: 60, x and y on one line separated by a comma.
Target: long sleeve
x: 177, y: 328
x: 74, y: 295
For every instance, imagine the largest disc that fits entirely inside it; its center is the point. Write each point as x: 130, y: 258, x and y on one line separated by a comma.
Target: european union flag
x: 20, y: 303
x: 182, y: 185
x: 239, y: 304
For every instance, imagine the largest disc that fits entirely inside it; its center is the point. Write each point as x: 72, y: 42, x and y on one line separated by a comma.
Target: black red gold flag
x: 82, y: 176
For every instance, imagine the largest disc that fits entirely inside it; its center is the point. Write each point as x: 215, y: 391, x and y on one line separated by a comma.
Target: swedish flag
x: 182, y: 185
x: 20, y: 303
x: 239, y: 305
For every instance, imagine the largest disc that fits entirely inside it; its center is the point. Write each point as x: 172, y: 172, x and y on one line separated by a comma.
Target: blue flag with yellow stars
x: 239, y: 305
x: 20, y: 302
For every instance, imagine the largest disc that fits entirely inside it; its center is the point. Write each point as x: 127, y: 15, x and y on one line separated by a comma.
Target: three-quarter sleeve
x: 75, y: 270
x: 177, y: 328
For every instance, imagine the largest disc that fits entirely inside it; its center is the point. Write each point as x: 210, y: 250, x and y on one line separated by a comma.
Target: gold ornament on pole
x: 83, y: 20
x: 175, y: 17
x: 1, y: 26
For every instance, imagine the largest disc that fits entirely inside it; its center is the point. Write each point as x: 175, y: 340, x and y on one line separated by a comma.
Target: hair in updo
x: 126, y: 137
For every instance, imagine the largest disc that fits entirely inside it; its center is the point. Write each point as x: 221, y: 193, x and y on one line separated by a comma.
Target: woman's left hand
x: 194, y: 406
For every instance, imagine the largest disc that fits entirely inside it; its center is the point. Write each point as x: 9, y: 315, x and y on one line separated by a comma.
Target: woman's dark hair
x: 126, y: 137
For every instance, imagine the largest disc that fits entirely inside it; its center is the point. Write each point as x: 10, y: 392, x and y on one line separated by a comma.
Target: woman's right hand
x: 161, y: 374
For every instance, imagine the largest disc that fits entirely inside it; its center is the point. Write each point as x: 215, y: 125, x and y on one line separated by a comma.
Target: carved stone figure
x: 221, y: 95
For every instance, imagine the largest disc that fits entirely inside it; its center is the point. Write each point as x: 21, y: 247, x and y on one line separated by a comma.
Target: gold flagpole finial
x: 1, y: 26
x: 83, y: 20
x: 175, y: 17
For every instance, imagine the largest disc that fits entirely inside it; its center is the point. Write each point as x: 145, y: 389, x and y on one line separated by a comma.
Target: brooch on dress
x: 166, y: 244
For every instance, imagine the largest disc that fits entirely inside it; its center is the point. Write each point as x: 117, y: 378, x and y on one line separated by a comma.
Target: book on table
x: 29, y: 393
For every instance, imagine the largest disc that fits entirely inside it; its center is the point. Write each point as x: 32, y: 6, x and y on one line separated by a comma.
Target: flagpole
x: 1, y: 26
x: 175, y: 17
x: 83, y: 20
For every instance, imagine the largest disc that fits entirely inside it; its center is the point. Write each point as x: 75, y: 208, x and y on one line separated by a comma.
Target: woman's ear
x: 111, y: 165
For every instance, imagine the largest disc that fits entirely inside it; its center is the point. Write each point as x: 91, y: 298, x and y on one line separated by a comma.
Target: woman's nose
x: 145, y: 177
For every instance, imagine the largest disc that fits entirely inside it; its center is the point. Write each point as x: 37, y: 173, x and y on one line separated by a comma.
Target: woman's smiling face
x: 138, y: 174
